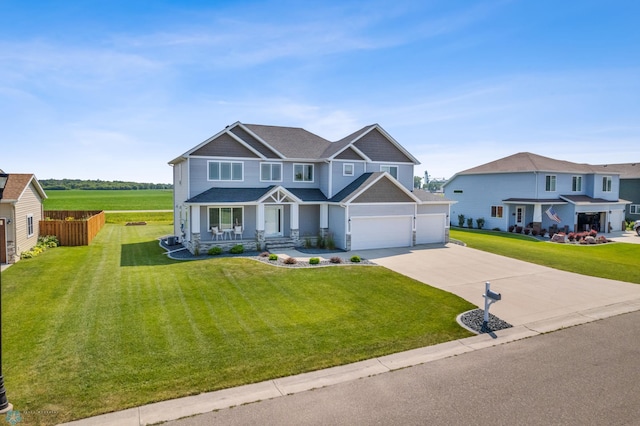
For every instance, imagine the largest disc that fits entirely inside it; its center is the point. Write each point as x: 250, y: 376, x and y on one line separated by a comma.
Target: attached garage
x: 369, y: 232
x: 430, y: 228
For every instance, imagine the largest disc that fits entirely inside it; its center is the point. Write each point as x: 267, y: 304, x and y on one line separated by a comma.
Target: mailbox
x: 493, y: 295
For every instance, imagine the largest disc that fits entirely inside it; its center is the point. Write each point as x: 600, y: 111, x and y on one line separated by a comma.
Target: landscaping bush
x: 307, y: 242
x: 48, y: 241
x: 330, y: 242
x: 265, y: 254
x: 470, y: 223
x: 355, y: 259
x: 543, y: 232
x: 534, y: 232
x: 460, y: 220
x: 290, y: 261
x: 571, y: 236
x: 238, y: 249
x: 314, y: 261
x: 273, y: 257
x: 335, y: 259
x: 320, y: 241
x: 480, y: 222
x: 214, y: 251
x: 496, y: 229
x: 518, y: 229
x: 512, y: 228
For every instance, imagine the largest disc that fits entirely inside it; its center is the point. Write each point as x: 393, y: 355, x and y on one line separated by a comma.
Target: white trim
x: 224, y: 180
x: 272, y: 163
x: 30, y: 232
x: 389, y: 165
x: 275, y: 190
x: 353, y: 169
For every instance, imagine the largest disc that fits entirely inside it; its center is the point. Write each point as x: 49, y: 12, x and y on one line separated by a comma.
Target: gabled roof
x: 230, y: 195
x: 626, y: 170
x: 585, y: 199
x: 392, y: 191
x: 429, y: 197
x: 17, y: 183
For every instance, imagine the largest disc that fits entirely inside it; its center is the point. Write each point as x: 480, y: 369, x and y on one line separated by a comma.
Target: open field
x: 146, y: 199
x: 117, y: 324
x: 616, y: 261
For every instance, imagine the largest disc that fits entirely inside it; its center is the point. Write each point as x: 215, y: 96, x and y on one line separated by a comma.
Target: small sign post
x: 490, y: 297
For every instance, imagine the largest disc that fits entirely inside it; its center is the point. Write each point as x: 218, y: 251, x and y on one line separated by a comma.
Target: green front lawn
x: 78, y: 199
x: 88, y: 330
x: 616, y: 261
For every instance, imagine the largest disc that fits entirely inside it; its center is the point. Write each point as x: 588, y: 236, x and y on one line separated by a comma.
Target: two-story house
x: 261, y: 184
x: 629, y: 186
x: 528, y: 189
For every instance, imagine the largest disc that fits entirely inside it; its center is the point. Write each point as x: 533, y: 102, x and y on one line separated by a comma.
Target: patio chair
x: 215, y: 232
x: 237, y: 230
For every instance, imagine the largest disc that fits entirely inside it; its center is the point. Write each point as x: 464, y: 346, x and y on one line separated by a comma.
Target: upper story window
x: 496, y: 211
x: 347, y: 169
x: 271, y: 172
x: 225, y: 170
x: 576, y: 184
x: 303, y: 172
x: 606, y: 184
x: 30, y: 225
x: 550, y: 183
x: 392, y: 170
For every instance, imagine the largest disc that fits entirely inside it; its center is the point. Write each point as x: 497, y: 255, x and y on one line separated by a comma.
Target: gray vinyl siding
x: 180, y: 192
x: 378, y: 148
x: 224, y: 146
x: 337, y: 225
x: 381, y: 209
x: 339, y: 182
x: 405, y: 172
x: 630, y: 191
x: 30, y: 203
x: 433, y: 208
x: 309, y: 220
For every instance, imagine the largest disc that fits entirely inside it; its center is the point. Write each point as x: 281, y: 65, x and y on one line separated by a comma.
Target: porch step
x: 279, y: 244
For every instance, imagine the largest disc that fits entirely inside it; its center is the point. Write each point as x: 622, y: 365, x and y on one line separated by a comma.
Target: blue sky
x: 113, y: 90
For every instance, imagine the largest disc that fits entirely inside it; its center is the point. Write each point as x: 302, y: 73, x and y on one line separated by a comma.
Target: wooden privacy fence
x: 72, y: 227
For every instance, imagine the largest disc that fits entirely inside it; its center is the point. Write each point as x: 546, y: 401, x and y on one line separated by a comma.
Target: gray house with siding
x: 21, y: 211
x: 629, y: 186
x: 270, y: 185
x: 527, y: 189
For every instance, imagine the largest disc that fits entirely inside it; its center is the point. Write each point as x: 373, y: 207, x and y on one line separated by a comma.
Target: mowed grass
x: 617, y: 261
x: 75, y: 199
x: 117, y: 324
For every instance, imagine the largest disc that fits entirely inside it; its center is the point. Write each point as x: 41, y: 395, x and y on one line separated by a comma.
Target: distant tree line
x: 52, y: 184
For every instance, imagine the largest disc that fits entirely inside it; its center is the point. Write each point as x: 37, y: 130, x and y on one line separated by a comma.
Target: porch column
x: 195, y: 219
x: 537, y: 217
x: 260, y: 226
x: 324, y: 220
x: 294, y: 222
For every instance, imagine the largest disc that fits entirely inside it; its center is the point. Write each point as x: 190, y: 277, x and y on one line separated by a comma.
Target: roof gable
x: 377, y: 187
x: 529, y: 162
x: 17, y: 183
x: 225, y: 146
x: 379, y: 146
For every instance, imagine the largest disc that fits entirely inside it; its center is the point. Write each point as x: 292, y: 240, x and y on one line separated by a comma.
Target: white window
x: 606, y: 184
x: 303, y: 172
x: 225, y: 217
x: 576, y: 184
x: 30, y: 225
x: 392, y: 170
x: 550, y: 183
x: 271, y: 172
x: 496, y: 211
x: 226, y: 170
x: 634, y: 209
x: 347, y: 169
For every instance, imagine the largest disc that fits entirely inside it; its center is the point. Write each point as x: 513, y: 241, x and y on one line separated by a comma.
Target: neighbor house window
x: 606, y: 184
x: 225, y: 170
x: 303, y: 172
x: 550, y: 183
x: 634, y: 209
x: 576, y: 184
x: 496, y: 211
x: 30, y: 225
x: 271, y: 172
x: 392, y: 170
x: 347, y: 169
x: 225, y: 217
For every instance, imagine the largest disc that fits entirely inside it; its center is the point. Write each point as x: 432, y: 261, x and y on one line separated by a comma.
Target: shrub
x: 512, y: 228
x: 273, y: 257
x: 460, y: 220
x: 335, y: 259
x: 237, y: 249
x: 330, y: 242
x: 534, y: 232
x: 518, y: 229
x: 496, y: 229
x: 320, y: 241
x: 470, y: 223
x: 527, y: 231
x: 290, y: 261
x: 307, y: 242
x: 543, y: 232
x: 214, y: 251
x: 314, y: 261
x: 355, y: 258
x: 480, y: 222
x: 264, y: 254
x: 49, y: 241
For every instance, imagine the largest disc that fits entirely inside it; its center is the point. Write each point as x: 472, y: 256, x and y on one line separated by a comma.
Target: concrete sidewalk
x: 535, y: 299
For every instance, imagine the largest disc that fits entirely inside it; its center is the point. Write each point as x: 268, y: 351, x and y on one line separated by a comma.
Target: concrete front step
x: 280, y: 244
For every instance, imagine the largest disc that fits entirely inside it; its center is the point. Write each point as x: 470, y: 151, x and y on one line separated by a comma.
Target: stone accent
x: 324, y: 232
x: 348, y: 243
x: 294, y: 234
x: 446, y: 235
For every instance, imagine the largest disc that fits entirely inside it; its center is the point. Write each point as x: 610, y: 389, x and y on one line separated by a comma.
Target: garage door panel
x: 430, y: 228
x: 379, y: 232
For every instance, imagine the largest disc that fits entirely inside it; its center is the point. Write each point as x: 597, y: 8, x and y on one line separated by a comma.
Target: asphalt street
x: 583, y: 375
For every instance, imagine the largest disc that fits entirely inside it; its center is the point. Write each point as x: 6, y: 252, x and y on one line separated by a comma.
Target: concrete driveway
x: 530, y: 293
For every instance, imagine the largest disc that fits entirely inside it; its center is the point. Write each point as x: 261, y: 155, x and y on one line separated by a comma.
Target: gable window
x: 225, y: 170
x: 303, y: 172
x: 347, y: 169
x: 225, y: 217
x: 550, y: 183
x: 392, y: 170
x: 496, y: 211
x: 576, y: 184
x: 271, y: 172
x: 30, y: 225
x: 606, y: 184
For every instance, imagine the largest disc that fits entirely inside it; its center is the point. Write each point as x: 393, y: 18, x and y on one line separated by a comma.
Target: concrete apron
x: 530, y: 293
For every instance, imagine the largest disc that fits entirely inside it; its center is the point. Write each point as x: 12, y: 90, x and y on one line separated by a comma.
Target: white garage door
x: 430, y: 228
x: 380, y: 232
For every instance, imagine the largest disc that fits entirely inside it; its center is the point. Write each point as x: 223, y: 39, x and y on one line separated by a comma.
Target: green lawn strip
x: 76, y: 199
x: 118, y: 324
x: 617, y: 261
x: 149, y: 217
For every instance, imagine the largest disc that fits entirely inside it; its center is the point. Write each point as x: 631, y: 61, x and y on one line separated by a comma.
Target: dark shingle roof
x: 17, y: 183
x: 292, y: 142
x: 626, y: 170
x: 529, y: 162
x: 308, y: 194
x: 363, y: 180
x: 230, y: 195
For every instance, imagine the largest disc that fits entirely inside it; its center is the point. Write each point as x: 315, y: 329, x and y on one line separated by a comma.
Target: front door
x: 520, y: 216
x: 273, y: 221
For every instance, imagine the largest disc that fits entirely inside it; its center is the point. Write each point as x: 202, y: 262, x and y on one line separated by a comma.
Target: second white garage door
x: 368, y: 232
x: 430, y: 228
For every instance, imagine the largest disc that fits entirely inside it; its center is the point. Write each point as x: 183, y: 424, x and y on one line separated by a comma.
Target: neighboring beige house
x: 21, y: 211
